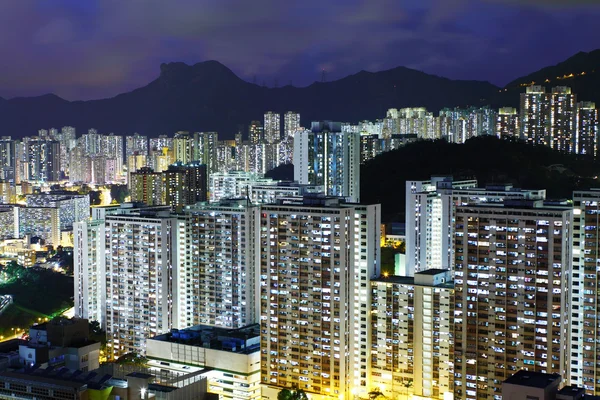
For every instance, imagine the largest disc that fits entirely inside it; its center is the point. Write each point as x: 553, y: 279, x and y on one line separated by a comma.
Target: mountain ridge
x: 208, y: 96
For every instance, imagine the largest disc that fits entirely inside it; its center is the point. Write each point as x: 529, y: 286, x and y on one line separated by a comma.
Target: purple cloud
x: 99, y: 48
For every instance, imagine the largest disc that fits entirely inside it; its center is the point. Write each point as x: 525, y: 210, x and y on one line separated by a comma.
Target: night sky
x: 84, y: 49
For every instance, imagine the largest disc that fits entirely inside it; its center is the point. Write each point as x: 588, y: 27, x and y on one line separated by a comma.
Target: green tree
x: 132, y: 359
x: 13, y: 270
x: 388, y: 260
x: 119, y: 192
x: 95, y: 197
x: 292, y: 394
x: 407, y: 383
x: 95, y: 327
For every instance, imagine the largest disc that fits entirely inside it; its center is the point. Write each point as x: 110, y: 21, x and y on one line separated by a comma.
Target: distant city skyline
x: 91, y: 50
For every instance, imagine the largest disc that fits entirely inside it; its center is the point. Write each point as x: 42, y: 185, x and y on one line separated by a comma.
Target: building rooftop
x: 406, y: 280
x: 140, y: 375
x: 244, y: 340
x: 61, y: 377
x: 532, y: 379
x: 311, y: 200
x: 155, y: 387
x: 432, y: 271
x: 423, y: 278
x: 573, y: 392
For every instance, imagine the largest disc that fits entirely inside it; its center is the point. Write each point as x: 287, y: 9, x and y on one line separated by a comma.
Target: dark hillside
x: 488, y: 159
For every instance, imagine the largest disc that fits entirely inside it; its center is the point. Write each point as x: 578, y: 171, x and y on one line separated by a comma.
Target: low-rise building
x: 232, y: 355
x: 528, y: 385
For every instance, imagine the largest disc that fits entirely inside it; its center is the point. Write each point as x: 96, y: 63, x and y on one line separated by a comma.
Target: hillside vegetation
x: 488, y: 159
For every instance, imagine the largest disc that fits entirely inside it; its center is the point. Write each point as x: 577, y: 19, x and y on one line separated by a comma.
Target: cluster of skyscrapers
x: 524, y: 271
x: 95, y: 158
x: 556, y: 119
x: 294, y: 266
x: 511, y: 288
x: 496, y: 279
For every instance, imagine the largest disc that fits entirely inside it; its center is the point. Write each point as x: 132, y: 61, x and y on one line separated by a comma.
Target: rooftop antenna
x: 254, y: 79
x: 323, y: 75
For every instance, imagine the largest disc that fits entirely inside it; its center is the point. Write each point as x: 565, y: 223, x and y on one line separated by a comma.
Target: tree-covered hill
x: 488, y: 159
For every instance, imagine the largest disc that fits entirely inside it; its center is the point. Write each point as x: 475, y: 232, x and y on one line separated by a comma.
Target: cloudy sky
x: 84, y: 49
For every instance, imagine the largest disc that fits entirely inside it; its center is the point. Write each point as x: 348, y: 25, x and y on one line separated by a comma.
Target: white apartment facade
x: 412, y: 335
x: 512, y: 294
x: 89, y: 267
x: 141, y: 260
x: 327, y: 156
x: 429, y: 223
x: 430, y: 214
x: 221, y: 281
x: 314, y: 294
x: 585, y: 349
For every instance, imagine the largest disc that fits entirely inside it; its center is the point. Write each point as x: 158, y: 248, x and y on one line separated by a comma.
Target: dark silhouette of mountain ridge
x: 580, y: 72
x: 208, y: 96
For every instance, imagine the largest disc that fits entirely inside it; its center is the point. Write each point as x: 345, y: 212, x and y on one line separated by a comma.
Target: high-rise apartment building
x: 261, y: 158
x: 98, y: 172
x: 563, y: 120
x: 327, y: 156
x: 113, y: 149
x: 185, y: 184
x: 272, y: 127
x: 140, y: 253
x: 460, y: 124
x: 412, y: 336
x: 535, y: 115
x: 162, y: 141
x: 429, y: 221
x: 161, y: 159
x: 8, y: 159
x: 68, y: 141
x: 80, y: 166
x: 268, y: 191
x: 507, y: 123
x: 125, y: 260
x: 255, y: 132
x: 317, y: 256
x: 141, y: 270
x: 370, y: 147
x: 242, y: 157
x: 233, y: 185
x: 291, y: 123
x: 585, y: 349
x: 284, y: 152
x: 135, y: 162
x: 72, y: 207
x: 43, y: 160
x: 220, y: 287
x: 183, y: 148
x: 147, y: 187
x: 512, y: 288
x: 92, y: 142
x: 41, y: 222
x: 89, y: 269
x: 205, y: 150
x: 430, y: 214
x: 587, y: 128
x: 225, y: 156
x: 136, y: 144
